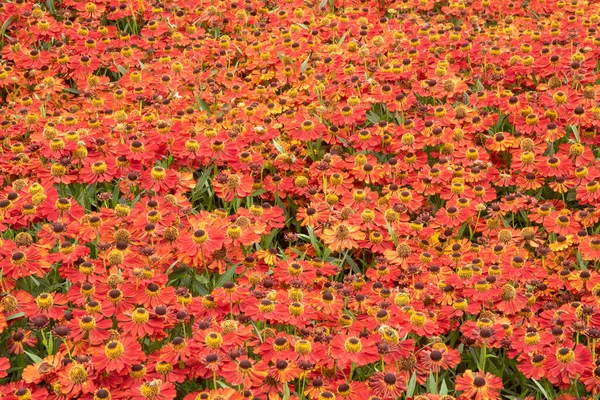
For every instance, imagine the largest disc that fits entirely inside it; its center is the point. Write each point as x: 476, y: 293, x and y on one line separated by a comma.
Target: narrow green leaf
x: 412, y: 385
x: 443, y: 388
x: 33, y: 357
x: 15, y: 316
x: 226, y: 277
x: 541, y: 388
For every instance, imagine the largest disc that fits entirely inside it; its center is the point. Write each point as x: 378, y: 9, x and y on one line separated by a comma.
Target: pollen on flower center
x: 508, y: 292
x: 200, y: 236
x: 78, y: 374
x: 234, y: 232
x: 342, y: 232
x: 418, y: 319
x: 18, y: 258
x: 303, y: 347
x: 158, y: 173
x: 99, y: 167
x: 592, y: 187
x: 266, y: 306
x: 151, y: 390
x: 563, y: 221
x: 140, y: 316
x: 565, y: 355
x: 353, y: 345
x: 44, y: 301
x: 213, y: 340
x: 114, y: 350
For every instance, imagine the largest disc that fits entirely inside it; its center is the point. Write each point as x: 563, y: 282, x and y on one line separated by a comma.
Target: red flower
x: 118, y: 355
x: 478, y: 386
x: 566, y: 364
x: 353, y: 350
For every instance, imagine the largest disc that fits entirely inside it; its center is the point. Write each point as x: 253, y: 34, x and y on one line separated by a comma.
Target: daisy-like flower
x: 284, y: 371
x: 77, y: 380
x: 342, y: 237
x: 154, y: 390
x: 478, y: 386
x: 437, y: 358
x: 352, y: 349
x: 118, y: 355
x: 244, y: 372
x: 566, y: 363
x: 387, y: 385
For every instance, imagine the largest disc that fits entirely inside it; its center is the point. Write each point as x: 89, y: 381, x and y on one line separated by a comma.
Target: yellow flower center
x: 565, y: 355
x: 140, y: 316
x: 418, y: 319
x: 213, y: 340
x: 99, y: 167
x: 114, y: 350
x: 353, y: 345
x: 78, y: 374
x: 158, y: 173
x: 44, y: 301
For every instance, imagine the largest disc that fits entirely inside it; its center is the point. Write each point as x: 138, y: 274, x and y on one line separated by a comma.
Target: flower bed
x: 231, y: 200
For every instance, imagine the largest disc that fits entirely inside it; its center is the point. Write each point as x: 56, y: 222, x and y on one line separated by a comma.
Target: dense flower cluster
x: 299, y: 199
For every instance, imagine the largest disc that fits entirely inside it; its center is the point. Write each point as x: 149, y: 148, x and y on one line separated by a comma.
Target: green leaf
x: 541, y: 388
x: 33, y: 357
x: 122, y: 70
x: 430, y: 384
x: 278, y: 146
x: 226, y: 277
x: 15, y: 316
x: 373, y: 117
x: 412, y: 385
x: 72, y: 90
x: 353, y: 264
x: 286, y: 391
x: 305, y: 63
x: 115, y: 196
x: 313, y: 240
x: 5, y: 25
x: 50, y: 7
x: 200, y: 285
x: 202, y: 105
x: 443, y: 388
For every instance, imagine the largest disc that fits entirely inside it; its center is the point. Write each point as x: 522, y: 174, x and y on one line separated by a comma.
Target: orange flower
x: 342, y: 236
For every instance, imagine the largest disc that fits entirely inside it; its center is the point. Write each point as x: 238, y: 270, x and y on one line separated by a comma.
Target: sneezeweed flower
x: 478, y: 386
x: 19, y: 339
x: 245, y: 372
x: 352, y: 349
x: 533, y: 366
x: 118, y: 355
x: 153, y: 390
x: 387, y: 385
x: 342, y: 237
x: 230, y: 185
x: 77, y: 380
x: 590, y: 248
x: 284, y: 371
x: 566, y: 363
x: 438, y: 358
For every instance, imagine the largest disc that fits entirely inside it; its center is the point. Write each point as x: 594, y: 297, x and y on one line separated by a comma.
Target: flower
x: 478, y: 386
x: 386, y: 385
x: 342, y: 237
x: 351, y: 349
x: 565, y: 364
x: 118, y: 355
